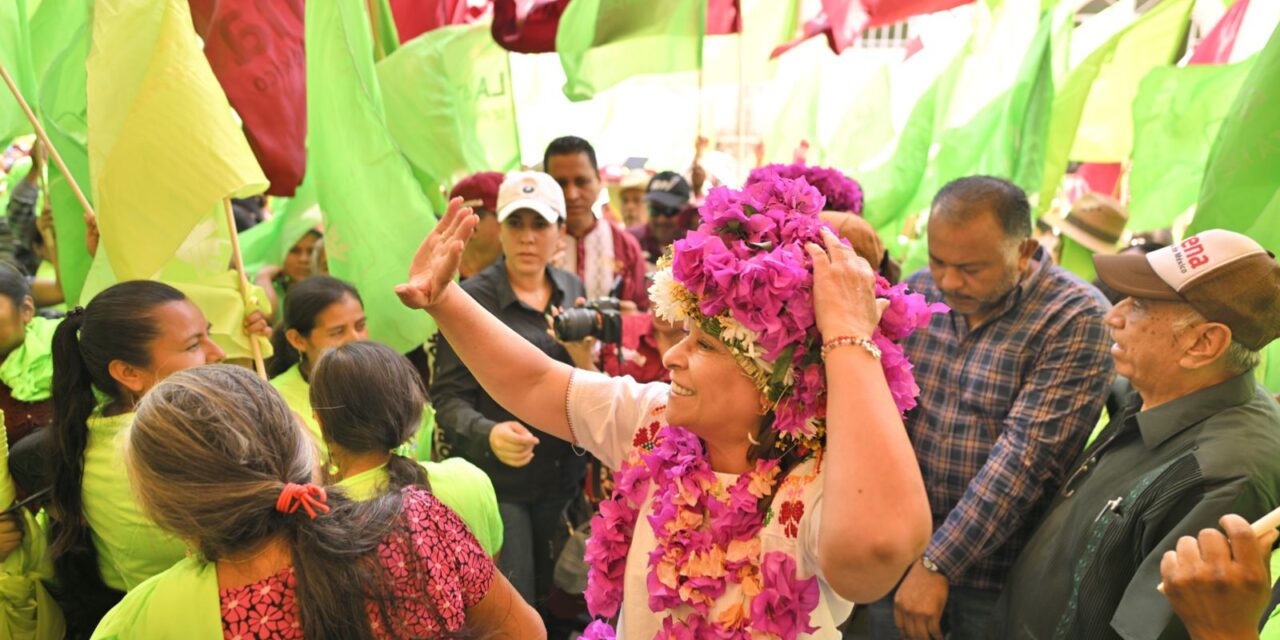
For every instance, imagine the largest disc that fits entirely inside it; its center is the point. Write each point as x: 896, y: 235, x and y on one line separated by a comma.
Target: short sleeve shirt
x: 609, y: 416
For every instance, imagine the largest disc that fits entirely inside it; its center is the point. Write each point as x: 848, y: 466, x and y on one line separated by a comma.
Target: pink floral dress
x: 459, y: 575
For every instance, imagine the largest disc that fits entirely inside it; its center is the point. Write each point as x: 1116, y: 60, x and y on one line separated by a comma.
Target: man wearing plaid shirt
x: 1012, y: 381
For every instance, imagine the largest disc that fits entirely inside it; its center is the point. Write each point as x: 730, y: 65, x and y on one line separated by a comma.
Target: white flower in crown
x: 668, y: 297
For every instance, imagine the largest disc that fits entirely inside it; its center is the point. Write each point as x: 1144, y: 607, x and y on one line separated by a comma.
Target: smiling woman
x: 131, y: 336
x: 749, y: 499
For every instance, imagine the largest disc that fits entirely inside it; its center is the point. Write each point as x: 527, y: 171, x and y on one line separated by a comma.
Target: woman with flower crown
x: 771, y: 484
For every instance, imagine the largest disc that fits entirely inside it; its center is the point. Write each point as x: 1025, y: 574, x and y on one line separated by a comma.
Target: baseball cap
x: 478, y: 190
x: 668, y: 189
x: 1226, y: 276
x: 531, y: 190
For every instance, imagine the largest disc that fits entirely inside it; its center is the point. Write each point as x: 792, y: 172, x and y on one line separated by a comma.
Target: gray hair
x: 1238, y: 359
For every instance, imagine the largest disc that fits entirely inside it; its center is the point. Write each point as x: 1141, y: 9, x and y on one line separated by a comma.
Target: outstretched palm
x: 436, y: 262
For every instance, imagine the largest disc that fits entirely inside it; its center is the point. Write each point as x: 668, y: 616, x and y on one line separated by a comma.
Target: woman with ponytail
x: 276, y: 556
x: 106, y: 356
x: 369, y: 402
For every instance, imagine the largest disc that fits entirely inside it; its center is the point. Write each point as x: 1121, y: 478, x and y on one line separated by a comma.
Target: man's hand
x: 512, y: 443
x: 1220, y: 585
x: 10, y: 534
x: 917, y: 608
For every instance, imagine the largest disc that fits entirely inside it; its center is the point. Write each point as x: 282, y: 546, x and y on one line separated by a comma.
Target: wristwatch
x: 930, y: 565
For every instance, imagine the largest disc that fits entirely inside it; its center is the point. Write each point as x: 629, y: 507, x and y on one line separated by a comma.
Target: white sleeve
x: 604, y: 413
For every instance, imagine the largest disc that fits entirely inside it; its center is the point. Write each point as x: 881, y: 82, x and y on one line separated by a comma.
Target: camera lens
x: 575, y: 324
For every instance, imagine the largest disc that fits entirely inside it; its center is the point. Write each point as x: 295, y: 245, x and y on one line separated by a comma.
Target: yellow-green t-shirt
x: 297, y: 394
x: 131, y: 548
x: 457, y: 484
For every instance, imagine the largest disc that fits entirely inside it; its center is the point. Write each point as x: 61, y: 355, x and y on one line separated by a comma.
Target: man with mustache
x: 1012, y: 380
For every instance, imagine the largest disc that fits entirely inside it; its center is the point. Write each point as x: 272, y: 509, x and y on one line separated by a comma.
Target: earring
x: 751, y: 437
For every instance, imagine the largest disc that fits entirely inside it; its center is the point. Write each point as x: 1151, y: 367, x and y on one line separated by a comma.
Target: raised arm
x: 875, y: 512
x: 518, y: 375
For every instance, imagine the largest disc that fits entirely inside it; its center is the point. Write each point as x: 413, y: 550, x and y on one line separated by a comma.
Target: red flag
x: 416, y: 17
x: 530, y: 28
x: 842, y: 21
x: 255, y: 50
x: 724, y: 17
x: 1215, y: 48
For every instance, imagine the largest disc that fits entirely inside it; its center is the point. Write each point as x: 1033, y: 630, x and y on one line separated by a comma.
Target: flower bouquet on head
x: 842, y: 192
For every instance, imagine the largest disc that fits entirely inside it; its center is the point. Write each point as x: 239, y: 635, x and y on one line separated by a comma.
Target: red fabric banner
x: 416, y: 17
x: 843, y: 21
x: 1215, y: 48
x: 724, y: 17
x: 255, y: 48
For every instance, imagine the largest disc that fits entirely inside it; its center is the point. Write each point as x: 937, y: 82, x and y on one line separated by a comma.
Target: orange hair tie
x: 308, y: 496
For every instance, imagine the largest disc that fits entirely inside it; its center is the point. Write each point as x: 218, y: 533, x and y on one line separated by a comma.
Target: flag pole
x: 44, y: 139
x: 258, y: 364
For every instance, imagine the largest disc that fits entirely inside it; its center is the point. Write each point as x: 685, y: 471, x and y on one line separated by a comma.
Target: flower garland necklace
x: 707, y: 537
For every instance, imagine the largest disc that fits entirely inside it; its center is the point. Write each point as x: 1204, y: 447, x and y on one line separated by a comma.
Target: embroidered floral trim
x: 708, y: 537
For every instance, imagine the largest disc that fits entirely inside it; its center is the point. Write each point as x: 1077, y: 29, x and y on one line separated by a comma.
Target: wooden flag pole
x: 258, y: 364
x: 374, y: 14
x: 1266, y: 523
x: 44, y: 139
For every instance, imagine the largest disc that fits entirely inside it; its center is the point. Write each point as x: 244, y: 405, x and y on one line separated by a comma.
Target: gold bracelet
x: 842, y: 341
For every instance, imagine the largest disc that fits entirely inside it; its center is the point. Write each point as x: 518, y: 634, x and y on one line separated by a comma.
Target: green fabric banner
x: 603, y: 42
x: 64, y: 115
x: 450, y: 105
x: 1176, y: 117
x: 1147, y: 42
x: 986, y: 114
x: 375, y: 213
x: 15, y: 55
x: 1240, y: 191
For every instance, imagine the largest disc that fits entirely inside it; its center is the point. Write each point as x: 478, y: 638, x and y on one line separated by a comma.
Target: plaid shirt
x: 1003, y: 410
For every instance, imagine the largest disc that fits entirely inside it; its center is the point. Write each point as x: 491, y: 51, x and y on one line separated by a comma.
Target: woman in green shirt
x: 369, y: 401
x: 106, y: 356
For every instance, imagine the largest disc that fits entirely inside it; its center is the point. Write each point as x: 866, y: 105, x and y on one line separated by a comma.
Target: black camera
x: 600, y: 319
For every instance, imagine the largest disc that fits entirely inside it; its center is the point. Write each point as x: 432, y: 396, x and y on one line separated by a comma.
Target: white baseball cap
x: 531, y: 190
x: 1228, y: 277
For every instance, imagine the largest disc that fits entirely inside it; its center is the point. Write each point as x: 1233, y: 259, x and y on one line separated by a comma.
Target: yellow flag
x: 164, y: 149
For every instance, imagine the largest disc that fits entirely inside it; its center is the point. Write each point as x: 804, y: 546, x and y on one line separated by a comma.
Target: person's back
x: 275, y: 555
x: 369, y: 402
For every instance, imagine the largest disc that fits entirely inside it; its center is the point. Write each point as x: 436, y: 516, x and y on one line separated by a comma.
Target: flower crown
x: 842, y: 192
x: 744, y: 277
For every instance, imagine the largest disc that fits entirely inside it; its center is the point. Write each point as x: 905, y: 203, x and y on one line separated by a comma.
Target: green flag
x: 375, y: 213
x: 1143, y: 44
x: 796, y: 122
x: 449, y: 103
x: 15, y: 55
x: 64, y: 115
x: 388, y: 38
x: 1239, y: 192
x: 269, y: 242
x: 53, y: 26
x: 866, y: 128
x: 603, y: 42
x: 1176, y: 117
x: 985, y: 114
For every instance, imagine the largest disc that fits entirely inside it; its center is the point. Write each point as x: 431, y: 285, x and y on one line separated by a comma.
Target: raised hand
x: 436, y: 263
x: 844, y: 298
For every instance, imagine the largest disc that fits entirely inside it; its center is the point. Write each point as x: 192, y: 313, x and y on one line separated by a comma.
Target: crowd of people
x: 657, y: 411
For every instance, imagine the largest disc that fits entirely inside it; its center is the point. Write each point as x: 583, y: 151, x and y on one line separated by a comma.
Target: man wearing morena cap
x: 1197, y: 440
x: 480, y: 192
